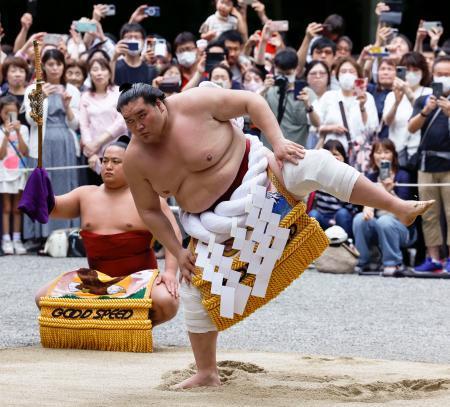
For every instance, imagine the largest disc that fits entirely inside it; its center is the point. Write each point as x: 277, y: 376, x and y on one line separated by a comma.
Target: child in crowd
x: 222, y: 20
x: 328, y: 209
x: 14, y: 139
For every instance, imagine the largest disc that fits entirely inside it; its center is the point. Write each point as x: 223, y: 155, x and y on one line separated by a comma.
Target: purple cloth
x: 37, y: 199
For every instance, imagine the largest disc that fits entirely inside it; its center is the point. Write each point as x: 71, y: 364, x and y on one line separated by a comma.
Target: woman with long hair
x: 100, y: 122
x: 60, y: 143
x: 380, y: 228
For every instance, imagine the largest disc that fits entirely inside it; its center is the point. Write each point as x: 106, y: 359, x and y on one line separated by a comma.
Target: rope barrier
x: 444, y: 184
x: 75, y: 167
x: 69, y: 167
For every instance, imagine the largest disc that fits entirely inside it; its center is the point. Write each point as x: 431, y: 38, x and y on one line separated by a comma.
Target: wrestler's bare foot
x: 198, y: 380
x: 411, y: 210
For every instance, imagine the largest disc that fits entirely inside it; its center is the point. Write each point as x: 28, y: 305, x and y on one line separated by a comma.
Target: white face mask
x: 138, y: 51
x: 347, y: 81
x: 253, y: 86
x: 445, y: 80
x: 187, y: 58
x: 413, y: 78
x: 223, y: 84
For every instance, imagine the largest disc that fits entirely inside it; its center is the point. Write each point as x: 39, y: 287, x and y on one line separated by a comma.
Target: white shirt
x: 330, y: 113
x: 219, y: 24
x: 398, y: 130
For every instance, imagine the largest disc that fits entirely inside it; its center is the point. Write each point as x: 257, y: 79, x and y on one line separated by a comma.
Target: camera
x: 153, y: 11
x: 281, y: 81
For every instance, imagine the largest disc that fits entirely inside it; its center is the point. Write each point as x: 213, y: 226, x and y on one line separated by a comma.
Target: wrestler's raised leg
x: 204, y: 348
x: 365, y: 192
x: 164, y: 306
x: 320, y: 170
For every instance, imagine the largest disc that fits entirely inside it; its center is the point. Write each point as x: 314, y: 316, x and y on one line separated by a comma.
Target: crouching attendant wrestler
x: 116, y: 240
x: 189, y: 147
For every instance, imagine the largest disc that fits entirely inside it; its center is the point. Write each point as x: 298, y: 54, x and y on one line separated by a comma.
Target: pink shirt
x: 98, y: 114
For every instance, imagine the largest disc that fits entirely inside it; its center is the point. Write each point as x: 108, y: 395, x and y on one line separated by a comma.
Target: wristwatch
x: 423, y: 114
x: 309, y: 109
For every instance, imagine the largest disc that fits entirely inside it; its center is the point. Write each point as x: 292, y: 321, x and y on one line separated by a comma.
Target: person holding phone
x: 14, y: 139
x: 291, y: 109
x: 16, y: 72
x: 127, y: 62
x: 358, y: 110
x: 385, y: 78
x: 379, y: 228
x: 430, y: 120
x: 318, y: 78
x: 399, y: 103
x: 169, y: 81
x: 60, y: 142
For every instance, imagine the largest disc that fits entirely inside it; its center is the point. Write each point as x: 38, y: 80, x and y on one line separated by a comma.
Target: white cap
x: 336, y: 235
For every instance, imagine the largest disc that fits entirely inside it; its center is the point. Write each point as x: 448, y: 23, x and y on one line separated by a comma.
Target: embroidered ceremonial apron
x: 249, y: 270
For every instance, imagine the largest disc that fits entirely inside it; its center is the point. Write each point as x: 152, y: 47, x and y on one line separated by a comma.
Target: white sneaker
x: 18, y: 247
x: 7, y: 247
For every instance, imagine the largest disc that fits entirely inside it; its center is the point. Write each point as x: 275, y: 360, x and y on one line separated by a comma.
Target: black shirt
x: 437, y: 138
x: 128, y: 74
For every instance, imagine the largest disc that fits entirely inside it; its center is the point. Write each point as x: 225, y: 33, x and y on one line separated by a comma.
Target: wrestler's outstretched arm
x: 225, y: 105
x: 149, y: 207
x: 67, y: 206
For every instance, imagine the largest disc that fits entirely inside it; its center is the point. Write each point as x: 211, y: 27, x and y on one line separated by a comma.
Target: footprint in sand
x: 229, y: 370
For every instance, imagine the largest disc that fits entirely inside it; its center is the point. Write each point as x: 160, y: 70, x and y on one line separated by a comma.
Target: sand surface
x: 33, y: 376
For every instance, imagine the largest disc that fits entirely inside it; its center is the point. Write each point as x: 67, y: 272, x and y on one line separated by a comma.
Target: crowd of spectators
x: 384, y: 110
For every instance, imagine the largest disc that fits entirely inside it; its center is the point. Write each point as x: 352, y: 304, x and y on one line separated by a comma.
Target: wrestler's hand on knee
x: 171, y: 283
x: 186, y: 262
x: 286, y: 150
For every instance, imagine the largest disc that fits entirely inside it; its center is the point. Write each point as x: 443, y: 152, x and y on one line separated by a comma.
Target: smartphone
x: 12, y: 116
x: 213, y: 59
x: 391, y: 17
x: 401, y: 72
x: 170, y: 85
x: 360, y: 83
x: 429, y: 25
x: 378, y: 52
x: 160, y: 47
x: 394, y: 5
x: 32, y: 7
x: 438, y: 89
x: 385, y: 169
x: 360, y: 86
x: 249, y: 2
x: 133, y: 45
x: 52, y: 39
x: 298, y: 87
x: 153, y: 11
x: 111, y: 10
x: 85, y: 27
x: 279, y: 25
